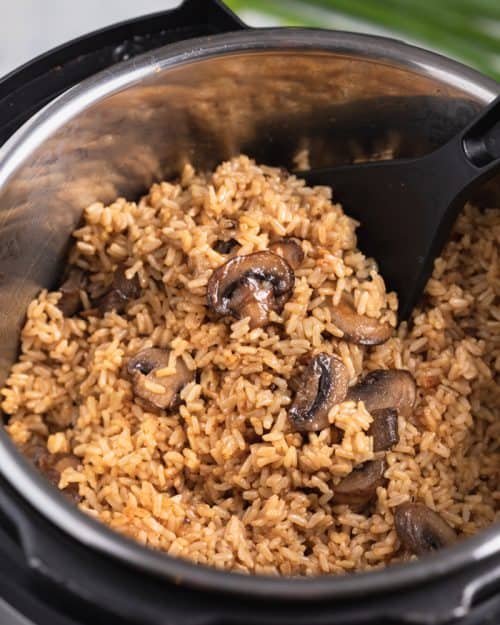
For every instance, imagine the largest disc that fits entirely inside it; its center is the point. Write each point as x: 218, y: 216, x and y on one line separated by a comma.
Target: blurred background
x: 468, y: 30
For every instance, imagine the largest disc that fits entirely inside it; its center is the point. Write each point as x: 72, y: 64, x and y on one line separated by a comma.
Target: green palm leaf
x: 468, y: 30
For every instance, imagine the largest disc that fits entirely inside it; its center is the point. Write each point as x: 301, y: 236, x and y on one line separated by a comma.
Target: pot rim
x: 46, y: 499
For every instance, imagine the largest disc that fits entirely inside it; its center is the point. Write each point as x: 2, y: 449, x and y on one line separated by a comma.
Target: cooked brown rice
x: 222, y: 479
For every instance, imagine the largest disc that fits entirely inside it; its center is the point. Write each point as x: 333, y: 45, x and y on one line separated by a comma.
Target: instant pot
x: 110, y: 113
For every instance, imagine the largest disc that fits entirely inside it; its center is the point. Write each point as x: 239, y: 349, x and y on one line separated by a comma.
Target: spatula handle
x: 463, y: 164
x: 473, y: 155
x: 481, y: 140
x: 453, y: 172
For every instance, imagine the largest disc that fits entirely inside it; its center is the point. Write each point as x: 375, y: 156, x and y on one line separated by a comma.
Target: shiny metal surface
x: 268, y: 93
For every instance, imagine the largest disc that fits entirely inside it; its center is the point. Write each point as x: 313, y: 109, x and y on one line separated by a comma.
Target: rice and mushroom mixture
x: 209, y: 446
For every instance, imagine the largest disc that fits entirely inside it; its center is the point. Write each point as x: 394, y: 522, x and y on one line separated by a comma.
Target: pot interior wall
x: 268, y: 104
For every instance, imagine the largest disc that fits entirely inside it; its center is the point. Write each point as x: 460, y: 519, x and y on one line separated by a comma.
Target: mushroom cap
x: 322, y: 385
x: 386, y: 388
x: 359, y: 329
x: 384, y: 428
x: 70, y: 302
x: 225, y: 246
x: 289, y: 249
x: 120, y: 293
x: 52, y: 465
x: 251, y: 286
x: 421, y: 529
x: 160, y: 391
x: 359, y: 487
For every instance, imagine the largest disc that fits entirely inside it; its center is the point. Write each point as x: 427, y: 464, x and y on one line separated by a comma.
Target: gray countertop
x: 30, y: 27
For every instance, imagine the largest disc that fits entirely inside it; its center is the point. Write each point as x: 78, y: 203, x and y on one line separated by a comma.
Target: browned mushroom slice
x: 386, y: 388
x: 121, y: 292
x: 384, y: 429
x: 64, y: 461
x: 162, y: 392
x: 52, y: 468
x: 359, y: 487
x: 225, y: 247
x: 52, y: 465
x: 359, y: 329
x: 322, y: 385
x: 422, y: 530
x: 251, y: 286
x: 70, y: 302
x: 290, y: 250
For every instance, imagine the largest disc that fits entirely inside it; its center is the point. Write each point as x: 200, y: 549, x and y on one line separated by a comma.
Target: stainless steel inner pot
x: 268, y: 93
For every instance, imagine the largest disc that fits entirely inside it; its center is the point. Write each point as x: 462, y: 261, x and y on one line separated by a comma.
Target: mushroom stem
x: 359, y: 329
x: 384, y: 429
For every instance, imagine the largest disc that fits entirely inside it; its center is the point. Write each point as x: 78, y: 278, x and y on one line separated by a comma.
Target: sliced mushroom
x: 70, y: 302
x: 121, y: 292
x: 52, y: 465
x: 65, y: 461
x: 55, y: 466
x: 251, y: 286
x: 162, y: 392
x: 322, y: 385
x: 359, y: 329
x: 359, y: 487
x: 384, y: 429
x: 290, y: 250
x: 386, y: 388
x: 422, y: 530
x: 225, y: 247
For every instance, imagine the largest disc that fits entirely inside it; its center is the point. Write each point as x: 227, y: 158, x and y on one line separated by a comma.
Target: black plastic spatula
x: 407, y: 207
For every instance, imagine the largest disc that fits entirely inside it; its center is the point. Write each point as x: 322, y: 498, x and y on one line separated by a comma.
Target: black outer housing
x: 82, y: 586
x: 76, y: 585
